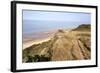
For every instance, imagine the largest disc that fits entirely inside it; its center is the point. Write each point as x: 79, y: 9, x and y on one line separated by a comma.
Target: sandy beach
x: 29, y: 40
x: 30, y: 43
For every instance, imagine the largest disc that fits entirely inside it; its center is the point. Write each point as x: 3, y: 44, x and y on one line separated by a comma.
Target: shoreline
x: 30, y: 43
x: 42, y: 37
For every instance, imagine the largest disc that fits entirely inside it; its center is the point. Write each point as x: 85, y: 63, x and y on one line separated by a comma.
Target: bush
x: 37, y: 58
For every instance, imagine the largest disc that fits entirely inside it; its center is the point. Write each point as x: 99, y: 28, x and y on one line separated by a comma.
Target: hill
x: 83, y: 27
x: 64, y: 45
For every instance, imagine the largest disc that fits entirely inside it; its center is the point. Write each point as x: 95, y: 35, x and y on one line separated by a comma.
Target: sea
x: 31, y: 26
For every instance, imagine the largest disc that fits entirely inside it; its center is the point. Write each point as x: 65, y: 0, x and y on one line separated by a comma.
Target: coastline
x: 41, y: 37
x: 30, y: 43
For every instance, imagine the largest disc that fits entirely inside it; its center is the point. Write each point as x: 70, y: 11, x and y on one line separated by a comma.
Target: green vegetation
x: 37, y: 58
x: 33, y: 53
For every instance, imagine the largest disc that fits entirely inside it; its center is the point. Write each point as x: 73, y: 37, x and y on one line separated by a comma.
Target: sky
x: 37, y: 21
x: 56, y: 16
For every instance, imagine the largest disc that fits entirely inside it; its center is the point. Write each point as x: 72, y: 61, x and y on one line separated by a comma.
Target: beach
x: 29, y: 39
x: 30, y: 43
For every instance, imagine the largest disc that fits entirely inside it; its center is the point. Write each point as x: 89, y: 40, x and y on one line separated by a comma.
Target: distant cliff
x: 83, y: 27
